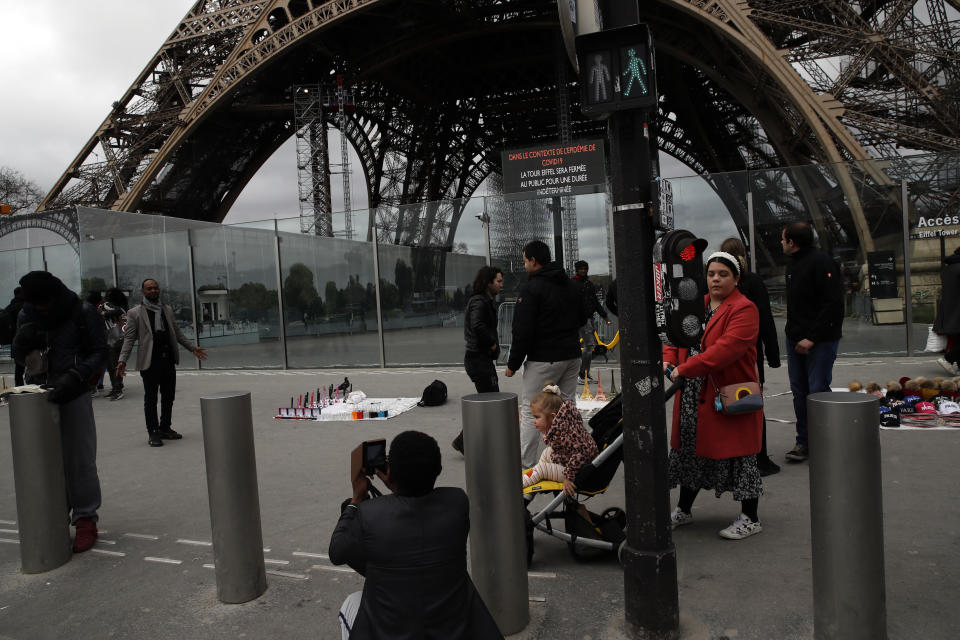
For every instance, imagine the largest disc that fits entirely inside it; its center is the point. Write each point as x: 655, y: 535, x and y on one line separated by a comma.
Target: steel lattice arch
x: 442, y: 86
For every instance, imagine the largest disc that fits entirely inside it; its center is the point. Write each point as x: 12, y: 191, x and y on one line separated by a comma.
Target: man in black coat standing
x: 546, y: 322
x: 814, y: 323
x: 13, y: 310
x: 411, y: 546
x: 71, y: 332
x: 948, y: 318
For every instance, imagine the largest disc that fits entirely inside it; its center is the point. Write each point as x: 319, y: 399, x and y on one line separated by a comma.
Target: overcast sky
x: 65, y: 63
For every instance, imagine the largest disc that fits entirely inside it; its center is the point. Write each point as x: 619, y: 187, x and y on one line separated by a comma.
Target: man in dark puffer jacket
x: 546, y: 324
x: 54, y: 318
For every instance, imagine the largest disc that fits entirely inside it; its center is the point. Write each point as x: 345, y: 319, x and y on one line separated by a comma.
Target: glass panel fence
x: 236, y: 298
x: 329, y: 302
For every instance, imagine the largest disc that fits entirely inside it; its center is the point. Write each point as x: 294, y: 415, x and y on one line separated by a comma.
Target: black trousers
x: 162, y: 377
x: 482, y: 371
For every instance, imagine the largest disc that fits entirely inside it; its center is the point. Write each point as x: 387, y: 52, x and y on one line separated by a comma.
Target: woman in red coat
x: 710, y: 449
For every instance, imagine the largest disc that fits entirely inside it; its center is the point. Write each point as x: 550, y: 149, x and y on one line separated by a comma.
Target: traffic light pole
x: 648, y: 557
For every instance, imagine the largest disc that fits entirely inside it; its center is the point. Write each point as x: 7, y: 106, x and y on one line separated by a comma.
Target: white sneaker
x: 951, y: 368
x: 678, y: 518
x: 742, y: 527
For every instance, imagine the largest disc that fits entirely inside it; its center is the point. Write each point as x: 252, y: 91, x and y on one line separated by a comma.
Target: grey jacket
x: 138, y: 329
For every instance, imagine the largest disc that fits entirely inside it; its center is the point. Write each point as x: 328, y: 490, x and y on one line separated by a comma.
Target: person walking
x: 814, y: 323
x: 54, y: 321
x: 948, y: 318
x: 151, y: 324
x: 709, y: 448
x: 546, y: 321
x: 480, y: 335
x: 588, y: 291
x: 114, y: 312
x: 752, y: 286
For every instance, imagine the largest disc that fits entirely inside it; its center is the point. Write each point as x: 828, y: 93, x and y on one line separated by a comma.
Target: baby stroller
x: 605, y: 531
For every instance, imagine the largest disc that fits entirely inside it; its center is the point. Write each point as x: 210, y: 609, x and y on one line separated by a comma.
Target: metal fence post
x: 234, y: 498
x: 498, y: 554
x: 42, y: 514
x: 907, y: 289
x: 846, y: 517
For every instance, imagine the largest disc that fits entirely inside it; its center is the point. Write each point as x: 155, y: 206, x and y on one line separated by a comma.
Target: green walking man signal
x: 617, y: 70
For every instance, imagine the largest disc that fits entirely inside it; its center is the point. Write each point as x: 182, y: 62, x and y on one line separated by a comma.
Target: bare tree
x: 19, y: 192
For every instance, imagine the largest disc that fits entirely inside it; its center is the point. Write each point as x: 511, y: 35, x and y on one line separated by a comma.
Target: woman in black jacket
x: 480, y: 335
x: 752, y: 286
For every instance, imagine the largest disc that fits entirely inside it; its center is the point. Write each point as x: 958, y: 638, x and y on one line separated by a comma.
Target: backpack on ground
x: 434, y: 395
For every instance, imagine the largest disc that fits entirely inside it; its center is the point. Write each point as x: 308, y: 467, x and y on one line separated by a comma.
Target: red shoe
x: 86, y: 535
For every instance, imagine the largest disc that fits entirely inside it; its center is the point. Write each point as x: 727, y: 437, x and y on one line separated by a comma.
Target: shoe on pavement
x: 951, y: 368
x: 742, y: 527
x: 798, y: 454
x: 86, y: 535
x: 767, y: 467
x: 457, y: 443
x: 117, y: 395
x: 678, y: 518
x: 155, y: 440
x: 169, y: 434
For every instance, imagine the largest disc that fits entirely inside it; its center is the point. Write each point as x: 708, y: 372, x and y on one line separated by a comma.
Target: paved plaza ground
x: 155, y: 508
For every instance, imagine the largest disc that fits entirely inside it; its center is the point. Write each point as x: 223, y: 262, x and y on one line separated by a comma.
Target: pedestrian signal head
x: 679, y: 287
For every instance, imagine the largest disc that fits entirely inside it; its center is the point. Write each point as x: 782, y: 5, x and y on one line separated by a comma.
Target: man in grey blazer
x: 153, y: 326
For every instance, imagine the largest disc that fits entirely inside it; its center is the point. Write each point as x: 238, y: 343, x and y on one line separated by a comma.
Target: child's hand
x: 569, y: 488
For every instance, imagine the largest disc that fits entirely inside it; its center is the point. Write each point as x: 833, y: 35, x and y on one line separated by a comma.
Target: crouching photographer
x: 410, y: 546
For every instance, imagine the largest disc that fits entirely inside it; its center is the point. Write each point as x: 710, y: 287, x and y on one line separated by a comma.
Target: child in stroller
x: 569, y: 446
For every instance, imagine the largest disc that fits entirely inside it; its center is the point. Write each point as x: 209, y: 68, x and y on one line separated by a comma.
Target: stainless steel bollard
x: 846, y: 517
x: 42, y: 516
x: 234, y: 497
x: 498, y: 551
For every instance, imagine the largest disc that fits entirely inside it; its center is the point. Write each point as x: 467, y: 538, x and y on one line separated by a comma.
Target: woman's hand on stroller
x: 569, y: 488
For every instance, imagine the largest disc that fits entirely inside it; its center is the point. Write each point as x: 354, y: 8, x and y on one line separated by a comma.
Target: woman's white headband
x: 727, y: 257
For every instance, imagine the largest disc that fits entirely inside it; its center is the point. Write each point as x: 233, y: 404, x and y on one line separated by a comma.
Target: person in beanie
x: 151, y: 324
x: 55, y: 320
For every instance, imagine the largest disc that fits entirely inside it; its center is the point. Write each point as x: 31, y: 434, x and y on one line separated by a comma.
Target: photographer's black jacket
x: 752, y: 286
x: 547, y: 319
x: 814, y: 297
x: 588, y: 291
x: 480, y: 324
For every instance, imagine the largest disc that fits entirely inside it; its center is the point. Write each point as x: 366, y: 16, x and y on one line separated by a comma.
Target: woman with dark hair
x: 480, y: 335
x: 752, y: 286
x: 711, y: 449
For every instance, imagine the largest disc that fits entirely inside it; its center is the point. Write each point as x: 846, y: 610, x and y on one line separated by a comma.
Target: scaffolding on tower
x: 313, y: 161
x: 343, y: 106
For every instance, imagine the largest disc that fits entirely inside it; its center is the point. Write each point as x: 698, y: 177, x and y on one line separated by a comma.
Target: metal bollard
x: 498, y: 552
x: 234, y: 497
x: 846, y: 517
x: 42, y: 516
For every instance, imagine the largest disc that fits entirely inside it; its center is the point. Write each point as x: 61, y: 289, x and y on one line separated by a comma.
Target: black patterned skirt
x: 739, y: 475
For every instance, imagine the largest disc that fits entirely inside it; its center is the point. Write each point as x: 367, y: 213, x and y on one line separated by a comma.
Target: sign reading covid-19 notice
x: 554, y: 170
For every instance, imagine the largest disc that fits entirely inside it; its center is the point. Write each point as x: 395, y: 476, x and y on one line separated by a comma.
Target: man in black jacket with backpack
x: 546, y: 322
x: 70, y: 333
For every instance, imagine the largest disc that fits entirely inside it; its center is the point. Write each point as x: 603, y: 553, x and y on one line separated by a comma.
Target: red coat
x: 729, y: 356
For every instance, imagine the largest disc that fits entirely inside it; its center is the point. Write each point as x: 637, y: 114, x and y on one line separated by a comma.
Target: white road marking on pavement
x: 327, y: 567
x: 102, y: 541
x: 106, y: 552
x: 541, y: 574
x: 269, y: 561
x: 10, y: 541
x: 142, y: 536
x: 780, y: 420
x: 197, y: 543
x: 9, y: 522
x: 267, y: 549
x: 287, y: 574
x: 9, y: 531
x: 163, y: 560
x: 209, y: 566
x: 307, y: 554
x: 537, y: 599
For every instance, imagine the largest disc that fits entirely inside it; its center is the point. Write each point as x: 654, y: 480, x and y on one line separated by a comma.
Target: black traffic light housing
x: 617, y: 70
x: 678, y: 287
